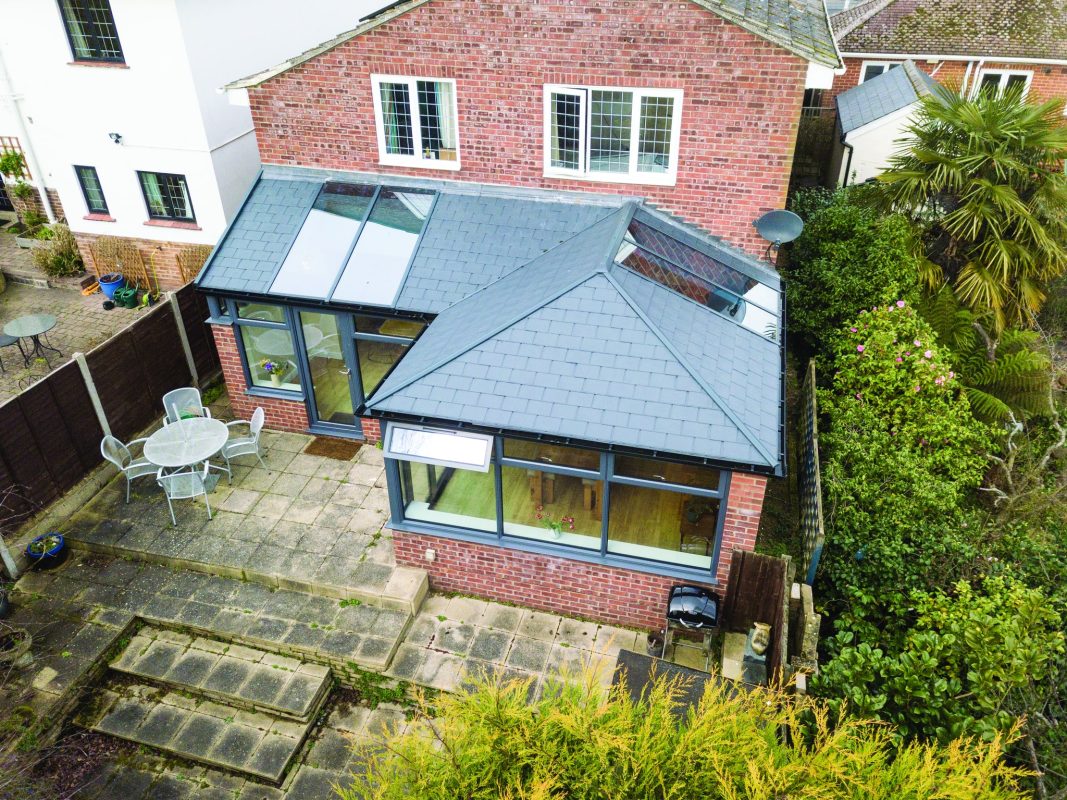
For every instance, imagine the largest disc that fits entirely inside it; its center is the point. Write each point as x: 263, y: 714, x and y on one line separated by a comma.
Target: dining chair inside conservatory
x: 245, y: 445
x: 183, y: 403
x: 122, y: 457
x: 184, y: 484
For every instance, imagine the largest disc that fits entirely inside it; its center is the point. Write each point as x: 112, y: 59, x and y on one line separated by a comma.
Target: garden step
x: 242, y: 677
x: 256, y: 745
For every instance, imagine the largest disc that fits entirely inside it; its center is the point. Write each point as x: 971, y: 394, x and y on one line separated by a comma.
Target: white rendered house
x: 115, y: 105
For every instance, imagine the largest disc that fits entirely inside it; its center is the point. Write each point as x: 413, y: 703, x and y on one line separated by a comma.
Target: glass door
x: 334, y: 392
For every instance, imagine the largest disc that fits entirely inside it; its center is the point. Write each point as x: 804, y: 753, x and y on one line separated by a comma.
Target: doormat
x: 328, y: 447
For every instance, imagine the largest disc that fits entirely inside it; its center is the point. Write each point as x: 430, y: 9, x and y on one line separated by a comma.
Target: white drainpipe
x: 9, y: 98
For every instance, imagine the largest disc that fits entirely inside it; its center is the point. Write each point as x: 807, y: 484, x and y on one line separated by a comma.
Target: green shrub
x: 581, y: 742
x: 963, y: 667
x: 901, y: 455
x: 61, y: 258
x: 848, y: 258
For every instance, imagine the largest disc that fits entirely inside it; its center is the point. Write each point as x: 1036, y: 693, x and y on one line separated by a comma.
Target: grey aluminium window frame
x: 602, y: 556
x: 232, y: 318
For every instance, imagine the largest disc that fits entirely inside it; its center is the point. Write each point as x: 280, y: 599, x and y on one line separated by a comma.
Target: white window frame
x: 1004, y: 75
x: 668, y: 178
x: 416, y: 160
x: 887, y: 64
x: 444, y: 434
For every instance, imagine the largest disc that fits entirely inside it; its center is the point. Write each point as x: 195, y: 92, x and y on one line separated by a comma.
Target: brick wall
x: 1048, y: 81
x: 284, y: 415
x: 739, y: 113
x: 372, y: 430
x: 158, y: 256
x: 608, y: 594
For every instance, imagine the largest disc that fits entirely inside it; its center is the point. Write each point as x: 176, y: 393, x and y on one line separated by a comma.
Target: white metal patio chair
x: 245, y: 445
x: 181, y: 403
x: 183, y: 484
x: 120, y: 455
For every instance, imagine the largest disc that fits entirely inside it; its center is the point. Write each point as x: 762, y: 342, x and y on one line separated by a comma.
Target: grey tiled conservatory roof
x: 891, y: 91
x: 577, y: 347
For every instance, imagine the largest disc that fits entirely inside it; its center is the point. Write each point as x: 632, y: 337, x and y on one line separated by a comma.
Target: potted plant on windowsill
x: 274, y: 370
x: 555, y: 524
x: 47, y: 551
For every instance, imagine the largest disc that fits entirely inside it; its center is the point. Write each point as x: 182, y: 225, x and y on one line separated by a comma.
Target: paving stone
x: 157, y: 660
x: 269, y: 629
x: 528, y: 654
x: 227, y: 677
x: 341, y: 643
x: 264, y: 686
x: 302, y: 511
x: 490, y: 645
x: 374, y: 652
x: 272, y: 754
x: 124, y: 716
x: 199, y: 735
x: 455, y: 638
x: 422, y: 631
x: 160, y: 725
x: 289, y: 484
x: 537, y: 625
x: 197, y: 614
x: 312, y: 783
x: 236, y: 745
x: 192, y: 669
x: 465, y: 609
x: 330, y: 751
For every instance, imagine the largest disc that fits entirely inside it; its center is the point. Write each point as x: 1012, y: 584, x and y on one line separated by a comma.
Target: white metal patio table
x: 33, y: 327
x: 186, y: 442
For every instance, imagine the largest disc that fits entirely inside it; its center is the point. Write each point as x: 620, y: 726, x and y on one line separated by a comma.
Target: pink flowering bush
x: 902, y: 453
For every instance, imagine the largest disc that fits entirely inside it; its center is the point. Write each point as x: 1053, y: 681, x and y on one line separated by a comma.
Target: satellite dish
x: 779, y: 227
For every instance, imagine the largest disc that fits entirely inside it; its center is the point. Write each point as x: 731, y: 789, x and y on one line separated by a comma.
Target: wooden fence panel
x: 194, y: 311
x: 44, y: 419
x: 758, y: 594
x: 24, y: 461
x: 160, y: 356
x: 72, y: 399
x: 120, y: 383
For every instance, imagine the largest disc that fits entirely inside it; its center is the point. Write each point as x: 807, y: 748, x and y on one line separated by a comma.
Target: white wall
x: 163, y: 101
x: 874, y: 144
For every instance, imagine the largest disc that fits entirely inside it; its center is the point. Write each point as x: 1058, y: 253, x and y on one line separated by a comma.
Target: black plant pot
x: 655, y: 645
x: 50, y: 558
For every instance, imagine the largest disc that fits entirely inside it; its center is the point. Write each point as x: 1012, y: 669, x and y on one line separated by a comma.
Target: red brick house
x: 513, y: 243
x: 982, y: 43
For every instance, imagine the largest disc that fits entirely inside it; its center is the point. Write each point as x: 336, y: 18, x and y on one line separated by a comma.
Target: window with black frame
x: 91, y: 190
x: 91, y: 30
x: 167, y: 196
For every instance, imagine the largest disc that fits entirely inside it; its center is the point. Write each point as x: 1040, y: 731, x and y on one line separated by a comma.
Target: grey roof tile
x: 875, y: 98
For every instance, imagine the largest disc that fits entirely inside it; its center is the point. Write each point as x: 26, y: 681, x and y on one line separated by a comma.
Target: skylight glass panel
x: 439, y: 446
x: 379, y: 262
x: 324, y: 240
x: 683, y: 269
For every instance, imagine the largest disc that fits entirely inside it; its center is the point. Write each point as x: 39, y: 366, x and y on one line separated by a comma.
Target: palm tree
x: 983, y: 177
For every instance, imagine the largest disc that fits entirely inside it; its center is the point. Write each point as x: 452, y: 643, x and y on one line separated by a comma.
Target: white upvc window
x: 872, y: 69
x: 1001, y: 80
x: 416, y: 121
x: 614, y: 134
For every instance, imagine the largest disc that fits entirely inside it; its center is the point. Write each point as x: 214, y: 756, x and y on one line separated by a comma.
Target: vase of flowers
x: 274, y: 370
x: 555, y: 524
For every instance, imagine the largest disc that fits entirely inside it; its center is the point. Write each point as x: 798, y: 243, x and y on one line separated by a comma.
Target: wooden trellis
x: 111, y: 254
x: 191, y: 259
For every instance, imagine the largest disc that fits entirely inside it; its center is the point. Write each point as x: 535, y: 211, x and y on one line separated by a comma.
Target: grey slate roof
x: 875, y: 98
x: 260, y: 235
x: 472, y: 237
x: 573, y: 346
x: 979, y: 28
x: 800, y: 26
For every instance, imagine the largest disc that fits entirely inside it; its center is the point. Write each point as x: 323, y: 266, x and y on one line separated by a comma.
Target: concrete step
x: 242, y: 677
x: 256, y: 745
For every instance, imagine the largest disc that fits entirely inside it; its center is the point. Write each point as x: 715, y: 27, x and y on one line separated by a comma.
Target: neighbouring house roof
x: 799, y: 26
x: 577, y: 346
x: 1034, y: 29
x: 891, y: 91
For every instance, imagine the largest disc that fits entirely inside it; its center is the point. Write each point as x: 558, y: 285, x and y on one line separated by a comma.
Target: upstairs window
x: 167, y: 196
x: 91, y: 30
x: 872, y: 69
x: 91, y: 189
x: 416, y: 121
x: 621, y: 135
x: 1001, y: 81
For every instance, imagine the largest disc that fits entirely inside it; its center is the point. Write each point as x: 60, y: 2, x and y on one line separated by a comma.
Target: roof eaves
x: 373, y: 21
x: 770, y: 460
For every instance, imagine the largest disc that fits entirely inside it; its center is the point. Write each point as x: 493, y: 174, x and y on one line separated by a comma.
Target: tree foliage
x: 963, y: 667
x: 579, y: 741
x: 848, y: 258
x: 982, y: 177
x: 901, y: 452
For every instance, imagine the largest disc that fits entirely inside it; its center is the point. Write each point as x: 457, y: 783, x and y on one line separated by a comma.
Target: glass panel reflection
x: 315, y: 258
x: 261, y: 312
x: 448, y: 496
x: 662, y: 525
x: 388, y: 326
x: 555, y: 454
x: 270, y: 357
x: 667, y: 472
x: 375, y: 361
x: 379, y: 261
x: 329, y: 375
x: 552, y: 508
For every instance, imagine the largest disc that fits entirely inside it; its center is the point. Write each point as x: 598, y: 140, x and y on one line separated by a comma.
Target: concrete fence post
x: 94, y: 397
x: 184, y: 338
